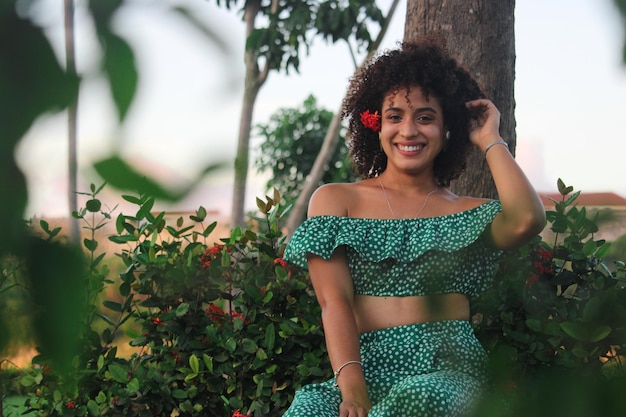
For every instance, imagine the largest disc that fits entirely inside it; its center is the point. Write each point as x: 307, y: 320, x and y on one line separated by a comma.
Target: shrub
x: 223, y: 328
x: 226, y: 328
x: 555, y: 320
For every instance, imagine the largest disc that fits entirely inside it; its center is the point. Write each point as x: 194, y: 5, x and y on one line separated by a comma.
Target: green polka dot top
x: 405, y: 257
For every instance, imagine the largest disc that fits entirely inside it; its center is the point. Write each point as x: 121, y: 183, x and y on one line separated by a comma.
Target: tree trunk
x: 72, y: 117
x: 253, y: 82
x: 480, y: 35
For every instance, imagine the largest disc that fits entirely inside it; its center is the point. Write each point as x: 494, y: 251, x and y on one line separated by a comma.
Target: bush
x: 555, y: 321
x: 225, y: 328
x: 228, y: 329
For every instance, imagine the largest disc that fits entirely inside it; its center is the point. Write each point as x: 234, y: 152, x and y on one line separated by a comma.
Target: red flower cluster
x: 371, y: 120
x: 70, y: 404
x: 156, y: 321
x: 210, y: 254
x: 215, y: 312
x: 238, y: 414
x: 46, y: 369
x: 542, y: 264
x: 280, y: 261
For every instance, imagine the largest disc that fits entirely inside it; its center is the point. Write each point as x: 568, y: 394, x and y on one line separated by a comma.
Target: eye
x: 424, y: 118
x: 394, y: 117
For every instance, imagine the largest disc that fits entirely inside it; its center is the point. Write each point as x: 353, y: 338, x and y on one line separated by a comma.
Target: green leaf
x: 132, y: 199
x: 563, y: 189
x: 249, y: 345
x: 93, y: 408
x: 303, y: 370
x: 27, y: 380
x: 118, y: 373
x: 599, y: 307
x: 133, y: 385
x: 93, y: 205
x: 179, y: 394
x: 534, y: 324
x: 121, y: 69
x: 122, y: 239
x: 101, y: 397
x: 121, y: 175
x: 90, y: 244
x: 194, y: 364
x: 112, y: 305
x: 586, y: 332
x: 589, y: 248
x: 208, y: 362
x: 570, y: 200
x: 261, y: 354
x: 182, y: 309
x: 191, y: 376
x: 604, y: 250
x: 270, y: 336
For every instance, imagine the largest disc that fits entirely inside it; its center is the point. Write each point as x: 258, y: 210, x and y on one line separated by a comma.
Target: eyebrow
x: 419, y: 110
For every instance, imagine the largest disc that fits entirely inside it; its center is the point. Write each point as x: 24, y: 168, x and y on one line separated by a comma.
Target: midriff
x: 374, y: 313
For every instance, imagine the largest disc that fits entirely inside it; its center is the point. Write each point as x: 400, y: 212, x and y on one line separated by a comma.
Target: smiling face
x: 412, y: 130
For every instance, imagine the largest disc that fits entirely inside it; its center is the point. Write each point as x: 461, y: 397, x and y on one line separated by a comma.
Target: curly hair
x: 425, y: 63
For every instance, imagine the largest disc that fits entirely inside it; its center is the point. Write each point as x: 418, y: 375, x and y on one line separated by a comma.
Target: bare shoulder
x: 457, y: 204
x: 468, y: 203
x: 331, y: 200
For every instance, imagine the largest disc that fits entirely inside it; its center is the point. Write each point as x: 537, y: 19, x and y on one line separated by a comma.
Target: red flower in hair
x: 371, y: 120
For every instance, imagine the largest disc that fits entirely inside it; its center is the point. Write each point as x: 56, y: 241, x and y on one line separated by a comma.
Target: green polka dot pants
x: 431, y: 369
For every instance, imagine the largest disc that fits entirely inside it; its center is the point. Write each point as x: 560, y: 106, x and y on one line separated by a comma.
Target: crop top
x: 406, y: 257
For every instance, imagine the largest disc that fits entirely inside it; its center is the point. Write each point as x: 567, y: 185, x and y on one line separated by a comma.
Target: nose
x: 408, y: 129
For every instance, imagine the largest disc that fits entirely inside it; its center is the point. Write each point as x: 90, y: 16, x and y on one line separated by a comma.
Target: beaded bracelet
x: 500, y: 142
x: 343, y: 366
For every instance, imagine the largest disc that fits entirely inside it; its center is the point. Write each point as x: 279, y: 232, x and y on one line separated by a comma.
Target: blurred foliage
x: 292, y: 141
x: 33, y: 83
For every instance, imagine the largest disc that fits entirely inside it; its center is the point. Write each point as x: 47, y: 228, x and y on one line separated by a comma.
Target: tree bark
x: 480, y: 35
x: 254, y: 79
x: 72, y: 122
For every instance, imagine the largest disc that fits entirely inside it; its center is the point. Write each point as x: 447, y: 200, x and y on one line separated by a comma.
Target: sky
x: 570, y: 92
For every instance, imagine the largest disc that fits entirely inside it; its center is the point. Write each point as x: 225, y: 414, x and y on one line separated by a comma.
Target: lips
x: 410, y: 148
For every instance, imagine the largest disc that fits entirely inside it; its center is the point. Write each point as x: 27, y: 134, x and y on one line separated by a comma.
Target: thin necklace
x: 389, y: 204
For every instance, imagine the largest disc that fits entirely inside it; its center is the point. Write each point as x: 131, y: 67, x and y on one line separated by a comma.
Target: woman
x: 395, y: 257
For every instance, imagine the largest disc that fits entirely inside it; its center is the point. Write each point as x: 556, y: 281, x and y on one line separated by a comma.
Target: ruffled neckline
x: 404, y: 240
x: 482, y: 206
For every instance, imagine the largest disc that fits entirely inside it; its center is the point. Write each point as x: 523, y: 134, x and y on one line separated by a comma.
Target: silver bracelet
x: 343, y: 366
x: 500, y: 142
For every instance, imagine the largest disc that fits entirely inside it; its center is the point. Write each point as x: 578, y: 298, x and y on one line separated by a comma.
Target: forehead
x: 412, y: 97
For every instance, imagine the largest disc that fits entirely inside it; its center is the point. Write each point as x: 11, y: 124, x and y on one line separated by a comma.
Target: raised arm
x: 523, y: 215
x: 334, y: 291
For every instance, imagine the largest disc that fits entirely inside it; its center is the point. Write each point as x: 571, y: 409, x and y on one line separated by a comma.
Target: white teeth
x: 411, y: 148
